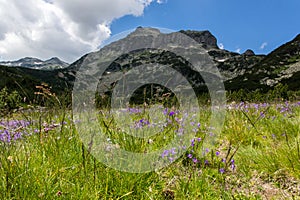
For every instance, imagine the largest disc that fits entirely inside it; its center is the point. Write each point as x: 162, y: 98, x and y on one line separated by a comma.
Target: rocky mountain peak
x: 203, y: 37
x: 54, y: 59
x: 249, y: 52
x: 29, y: 60
x: 142, y: 31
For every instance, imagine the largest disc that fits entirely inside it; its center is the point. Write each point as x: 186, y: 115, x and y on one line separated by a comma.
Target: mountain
x: 247, y: 70
x: 280, y: 66
x: 34, y: 63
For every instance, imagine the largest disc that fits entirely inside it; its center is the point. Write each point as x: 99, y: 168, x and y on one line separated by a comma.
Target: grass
x: 256, y: 157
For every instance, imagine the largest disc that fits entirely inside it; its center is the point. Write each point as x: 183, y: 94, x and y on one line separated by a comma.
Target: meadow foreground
x: 256, y: 156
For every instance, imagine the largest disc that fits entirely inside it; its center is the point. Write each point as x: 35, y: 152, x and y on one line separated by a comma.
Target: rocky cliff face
x: 203, y: 37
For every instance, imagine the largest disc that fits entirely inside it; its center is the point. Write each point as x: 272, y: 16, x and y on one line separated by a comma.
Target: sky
x: 68, y: 29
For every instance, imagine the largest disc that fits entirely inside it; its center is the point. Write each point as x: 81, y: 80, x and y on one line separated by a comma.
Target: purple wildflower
x: 193, y: 142
x: 165, y: 153
x: 173, y: 151
x: 171, y: 113
x: 232, y: 164
x: 165, y: 111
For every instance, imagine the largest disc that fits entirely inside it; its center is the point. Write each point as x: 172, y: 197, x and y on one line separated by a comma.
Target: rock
x: 204, y: 37
x: 249, y: 52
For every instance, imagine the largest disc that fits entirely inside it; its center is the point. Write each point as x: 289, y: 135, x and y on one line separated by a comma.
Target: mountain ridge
x: 35, y: 63
x: 246, y: 70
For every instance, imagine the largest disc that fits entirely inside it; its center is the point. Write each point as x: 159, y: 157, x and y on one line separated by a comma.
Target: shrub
x: 9, y: 101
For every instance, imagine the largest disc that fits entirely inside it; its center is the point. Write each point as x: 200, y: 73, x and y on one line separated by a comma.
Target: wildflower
x: 173, y: 151
x: 265, y: 105
x: 232, y: 164
x: 195, y: 160
x: 17, y: 135
x: 193, y: 142
x: 283, y: 109
x: 165, y: 111
x: 190, y: 156
x: 150, y: 141
x: 171, y: 113
x: 165, y: 153
x: 180, y: 131
x: 217, y: 153
x: 133, y: 110
x: 222, y: 170
x: 141, y: 123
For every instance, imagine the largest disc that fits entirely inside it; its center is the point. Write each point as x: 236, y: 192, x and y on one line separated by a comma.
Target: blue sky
x: 261, y: 25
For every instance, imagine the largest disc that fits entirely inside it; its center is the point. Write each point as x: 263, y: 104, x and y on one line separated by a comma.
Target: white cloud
x: 238, y: 50
x: 64, y: 28
x: 221, y: 46
x: 263, y: 45
x: 161, y: 1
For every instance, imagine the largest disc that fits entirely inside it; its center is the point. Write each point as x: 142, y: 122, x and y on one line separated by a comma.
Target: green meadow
x: 255, y: 156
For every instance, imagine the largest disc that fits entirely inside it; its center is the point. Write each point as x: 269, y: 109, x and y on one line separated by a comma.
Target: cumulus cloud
x: 263, y: 45
x: 238, y: 50
x: 221, y: 46
x: 64, y: 28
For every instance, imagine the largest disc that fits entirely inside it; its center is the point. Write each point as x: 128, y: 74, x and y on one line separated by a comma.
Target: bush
x: 9, y: 101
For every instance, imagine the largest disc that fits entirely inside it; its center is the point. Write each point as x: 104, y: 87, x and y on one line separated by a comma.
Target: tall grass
x: 256, y: 157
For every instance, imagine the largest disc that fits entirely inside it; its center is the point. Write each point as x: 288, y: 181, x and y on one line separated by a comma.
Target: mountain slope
x: 34, y: 63
x: 247, y: 70
x: 280, y: 66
